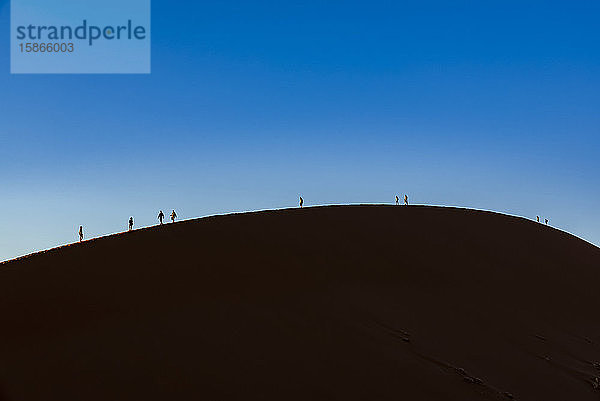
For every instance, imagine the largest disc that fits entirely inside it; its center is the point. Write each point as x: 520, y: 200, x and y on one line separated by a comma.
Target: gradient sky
x: 492, y: 105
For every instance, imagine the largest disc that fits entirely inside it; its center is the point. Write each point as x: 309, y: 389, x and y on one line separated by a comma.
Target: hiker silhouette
x: 546, y: 221
x: 538, y: 218
x: 301, y: 202
x: 173, y: 216
x: 80, y: 233
x: 161, y: 216
x: 397, y: 200
x: 130, y: 223
x: 406, y: 200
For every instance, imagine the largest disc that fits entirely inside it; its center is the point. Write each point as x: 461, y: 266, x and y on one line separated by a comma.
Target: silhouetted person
x: 161, y: 216
x: 406, y: 200
x: 397, y: 200
x: 546, y: 221
x: 80, y: 233
x: 173, y: 216
x: 130, y: 223
x: 301, y: 202
x: 538, y: 218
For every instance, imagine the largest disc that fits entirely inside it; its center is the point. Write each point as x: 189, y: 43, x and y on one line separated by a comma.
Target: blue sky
x: 491, y: 105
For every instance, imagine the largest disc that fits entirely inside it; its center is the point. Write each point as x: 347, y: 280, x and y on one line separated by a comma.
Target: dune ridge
x: 323, y: 303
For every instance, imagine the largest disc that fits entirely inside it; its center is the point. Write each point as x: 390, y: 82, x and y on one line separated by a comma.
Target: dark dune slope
x: 327, y: 303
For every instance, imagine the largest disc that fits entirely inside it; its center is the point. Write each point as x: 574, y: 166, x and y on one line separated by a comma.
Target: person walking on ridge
x: 406, y: 200
x: 397, y: 200
x: 161, y: 216
x: 130, y: 223
x: 546, y: 221
x: 301, y: 202
x: 538, y: 218
x: 80, y: 233
x: 173, y: 216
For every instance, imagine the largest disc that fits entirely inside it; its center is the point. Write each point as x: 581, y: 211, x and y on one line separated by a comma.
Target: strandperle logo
x: 75, y: 37
x: 89, y: 33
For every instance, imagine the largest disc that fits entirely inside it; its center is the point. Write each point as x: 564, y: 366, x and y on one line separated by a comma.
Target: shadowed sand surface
x: 324, y: 303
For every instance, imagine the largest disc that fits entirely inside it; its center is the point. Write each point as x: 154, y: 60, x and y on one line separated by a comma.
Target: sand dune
x: 328, y: 303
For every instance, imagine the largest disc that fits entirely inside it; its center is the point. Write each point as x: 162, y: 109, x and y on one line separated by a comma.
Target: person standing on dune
x: 130, y: 223
x: 397, y: 200
x: 173, y: 216
x: 538, y: 218
x: 80, y: 233
x: 161, y: 216
x: 301, y: 202
x: 406, y: 200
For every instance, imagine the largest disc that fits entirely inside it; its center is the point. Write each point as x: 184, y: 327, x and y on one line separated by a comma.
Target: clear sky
x: 492, y: 105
